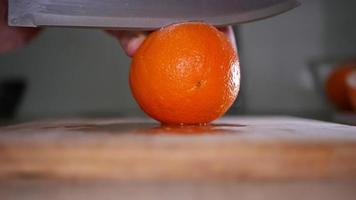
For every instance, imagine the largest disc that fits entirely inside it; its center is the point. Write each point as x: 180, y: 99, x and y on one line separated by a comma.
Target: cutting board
x: 231, y: 149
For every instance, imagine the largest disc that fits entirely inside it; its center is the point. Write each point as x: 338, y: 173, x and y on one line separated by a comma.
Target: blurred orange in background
x: 336, y: 85
x: 351, y: 85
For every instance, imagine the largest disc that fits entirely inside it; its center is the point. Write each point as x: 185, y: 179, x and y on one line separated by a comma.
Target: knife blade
x: 140, y: 14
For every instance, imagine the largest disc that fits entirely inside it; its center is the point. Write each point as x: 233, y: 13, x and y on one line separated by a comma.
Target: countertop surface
x: 230, y: 149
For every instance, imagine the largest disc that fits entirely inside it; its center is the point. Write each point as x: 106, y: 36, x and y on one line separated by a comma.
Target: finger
x: 130, y: 41
x: 230, y: 34
x: 12, y: 38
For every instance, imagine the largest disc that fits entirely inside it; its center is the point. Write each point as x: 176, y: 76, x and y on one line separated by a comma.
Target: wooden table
x: 245, y: 158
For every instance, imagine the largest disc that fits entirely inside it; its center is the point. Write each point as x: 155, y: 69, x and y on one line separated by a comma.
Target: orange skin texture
x: 185, y: 74
x: 336, y: 86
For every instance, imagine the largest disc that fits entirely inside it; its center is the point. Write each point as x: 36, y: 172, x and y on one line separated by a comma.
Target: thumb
x: 130, y: 41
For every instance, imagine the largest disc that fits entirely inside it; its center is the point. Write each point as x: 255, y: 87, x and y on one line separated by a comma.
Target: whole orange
x: 185, y: 74
x: 336, y: 86
x: 351, y: 85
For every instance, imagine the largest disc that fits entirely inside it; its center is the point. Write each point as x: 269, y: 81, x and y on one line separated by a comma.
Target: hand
x: 12, y: 38
x: 130, y: 41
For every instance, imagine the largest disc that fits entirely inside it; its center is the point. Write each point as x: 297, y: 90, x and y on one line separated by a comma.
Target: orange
x: 351, y: 85
x: 336, y: 86
x: 185, y: 74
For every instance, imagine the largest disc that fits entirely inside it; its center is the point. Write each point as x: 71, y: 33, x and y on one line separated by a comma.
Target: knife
x: 140, y: 14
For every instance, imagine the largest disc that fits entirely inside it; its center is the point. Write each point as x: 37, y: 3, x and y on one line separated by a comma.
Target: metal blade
x: 140, y: 14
